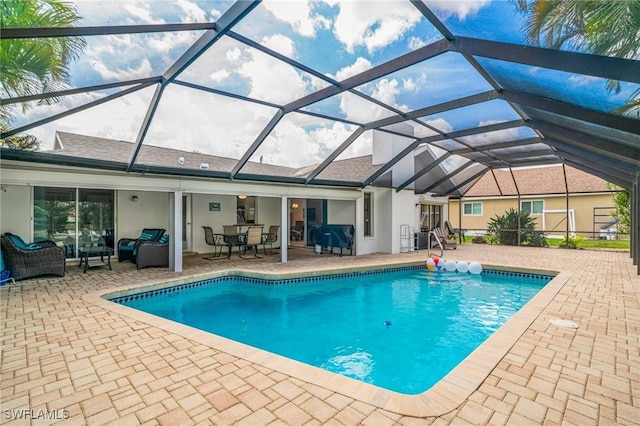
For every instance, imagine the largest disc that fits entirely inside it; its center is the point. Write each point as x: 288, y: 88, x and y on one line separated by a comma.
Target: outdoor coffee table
x: 94, y: 251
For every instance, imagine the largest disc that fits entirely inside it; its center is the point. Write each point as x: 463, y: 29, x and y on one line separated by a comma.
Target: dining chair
x: 252, y: 240
x: 213, y: 240
x: 270, y: 238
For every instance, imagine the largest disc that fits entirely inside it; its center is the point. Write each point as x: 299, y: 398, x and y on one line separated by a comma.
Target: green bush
x: 504, y: 230
x: 570, y: 243
x: 479, y: 240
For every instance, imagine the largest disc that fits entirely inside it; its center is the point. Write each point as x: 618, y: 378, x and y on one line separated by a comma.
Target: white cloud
x: 298, y: 14
x: 142, y: 11
x: 409, y: 85
x: 360, y: 147
x: 192, y: 13
x: 373, y: 25
x: 118, y: 119
x: 219, y: 75
x: 583, y: 80
x: 386, y: 91
x: 193, y: 120
x: 360, y: 110
x: 460, y: 9
x: 360, y: 65
x: 143, y: 69
x: 311, y: 147
x: 272, y: 80
x: 233, y: 54
x: 281, y: 44
x: 440, y: 124
x: 164, y: 43
x: 495, y: 136
x: 416, y: 43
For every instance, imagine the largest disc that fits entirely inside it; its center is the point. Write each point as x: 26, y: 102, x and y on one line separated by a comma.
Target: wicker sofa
x: 32, y: 260
x: 153, y: 253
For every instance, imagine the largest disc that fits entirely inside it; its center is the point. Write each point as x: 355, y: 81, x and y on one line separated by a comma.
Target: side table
x: 94, y: 251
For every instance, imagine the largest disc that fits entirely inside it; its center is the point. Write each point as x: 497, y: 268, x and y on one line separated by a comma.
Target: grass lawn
x: 584, y: 243
x: 598, y: 244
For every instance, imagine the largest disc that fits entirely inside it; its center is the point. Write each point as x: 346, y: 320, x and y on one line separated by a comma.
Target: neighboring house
x: 544, y: 194
x: 184, y: 200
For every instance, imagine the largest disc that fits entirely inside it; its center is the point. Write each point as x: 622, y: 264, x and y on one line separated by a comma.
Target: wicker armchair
x: 153, y: 253
x: 32, y: 260
x: 128, y: 247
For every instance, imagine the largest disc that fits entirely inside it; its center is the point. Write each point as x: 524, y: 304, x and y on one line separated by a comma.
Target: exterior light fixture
x: 242, y: 197
x: 294, y: 205
x: 134, y: 198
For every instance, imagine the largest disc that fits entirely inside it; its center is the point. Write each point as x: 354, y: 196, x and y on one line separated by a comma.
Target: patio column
x: 634, y: 232
x: 175, y: 231
x: 284, y: 228
x: 566, y: 188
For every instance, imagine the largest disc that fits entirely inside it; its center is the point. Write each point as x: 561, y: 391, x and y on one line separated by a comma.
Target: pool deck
x: 66, y: 348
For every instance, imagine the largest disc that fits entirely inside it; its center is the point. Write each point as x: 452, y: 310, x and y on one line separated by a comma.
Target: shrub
x: 570, y: 243
x: 479, y: 240
x: 504, y: 230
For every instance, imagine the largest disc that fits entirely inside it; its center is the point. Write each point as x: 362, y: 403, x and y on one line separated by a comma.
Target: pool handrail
x: 432, y: 232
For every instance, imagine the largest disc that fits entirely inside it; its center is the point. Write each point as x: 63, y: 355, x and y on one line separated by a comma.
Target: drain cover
x: 563, y: 323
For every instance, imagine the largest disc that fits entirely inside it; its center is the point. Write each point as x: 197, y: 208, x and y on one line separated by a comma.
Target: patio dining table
x: 232, y: 239
x: 236, y: 238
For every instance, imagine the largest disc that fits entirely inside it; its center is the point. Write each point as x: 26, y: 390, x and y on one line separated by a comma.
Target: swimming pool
x: 401, y: 329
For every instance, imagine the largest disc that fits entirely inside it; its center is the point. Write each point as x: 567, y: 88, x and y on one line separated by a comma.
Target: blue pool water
x: 402, y: 330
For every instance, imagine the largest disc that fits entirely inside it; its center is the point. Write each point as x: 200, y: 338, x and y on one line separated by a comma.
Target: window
x: 472, y: 209
x: 532, y: 207
x: 368, y: 214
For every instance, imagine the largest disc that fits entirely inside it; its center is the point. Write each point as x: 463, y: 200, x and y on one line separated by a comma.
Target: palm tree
x: 610, y: 28
x: 36, y: 65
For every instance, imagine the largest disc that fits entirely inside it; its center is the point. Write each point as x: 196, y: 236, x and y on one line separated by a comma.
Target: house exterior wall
x: 383, y: 221
x: 15, y: 210
x: 152, y: 209
x: 553, y: 223
x: 341, y: 212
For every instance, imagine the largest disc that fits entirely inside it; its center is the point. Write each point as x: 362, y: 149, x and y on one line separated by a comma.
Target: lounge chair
x: 443, y: 236
x: 453, y: 231
x: 127, y: 246
x: 32, y: 260
x: 153, y: 253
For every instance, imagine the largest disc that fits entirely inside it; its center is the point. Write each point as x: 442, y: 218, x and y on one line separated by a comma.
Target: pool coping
x: 446, y: 395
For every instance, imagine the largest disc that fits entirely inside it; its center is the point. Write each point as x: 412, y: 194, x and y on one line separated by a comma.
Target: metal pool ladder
x: 433, y: 233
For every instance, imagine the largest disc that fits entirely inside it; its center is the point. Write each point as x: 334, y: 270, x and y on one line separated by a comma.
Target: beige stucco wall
x: 553, y: 223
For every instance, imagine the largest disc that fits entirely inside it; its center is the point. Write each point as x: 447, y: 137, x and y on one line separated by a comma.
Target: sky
x: 336, y: 39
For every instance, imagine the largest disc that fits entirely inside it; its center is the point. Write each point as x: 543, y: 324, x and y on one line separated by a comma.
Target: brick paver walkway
x: 80, y: 363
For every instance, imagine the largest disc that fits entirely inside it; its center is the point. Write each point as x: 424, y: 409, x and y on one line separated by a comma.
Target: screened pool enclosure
x: 290, y: 92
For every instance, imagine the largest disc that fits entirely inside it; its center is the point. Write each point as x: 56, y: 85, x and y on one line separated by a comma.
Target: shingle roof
x: 71, y: 144
x: 536, y: 181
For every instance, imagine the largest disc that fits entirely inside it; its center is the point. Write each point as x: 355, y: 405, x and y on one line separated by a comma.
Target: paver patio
x: 96, y: 365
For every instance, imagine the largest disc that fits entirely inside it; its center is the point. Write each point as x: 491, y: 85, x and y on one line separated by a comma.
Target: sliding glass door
x: 73, y: 217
